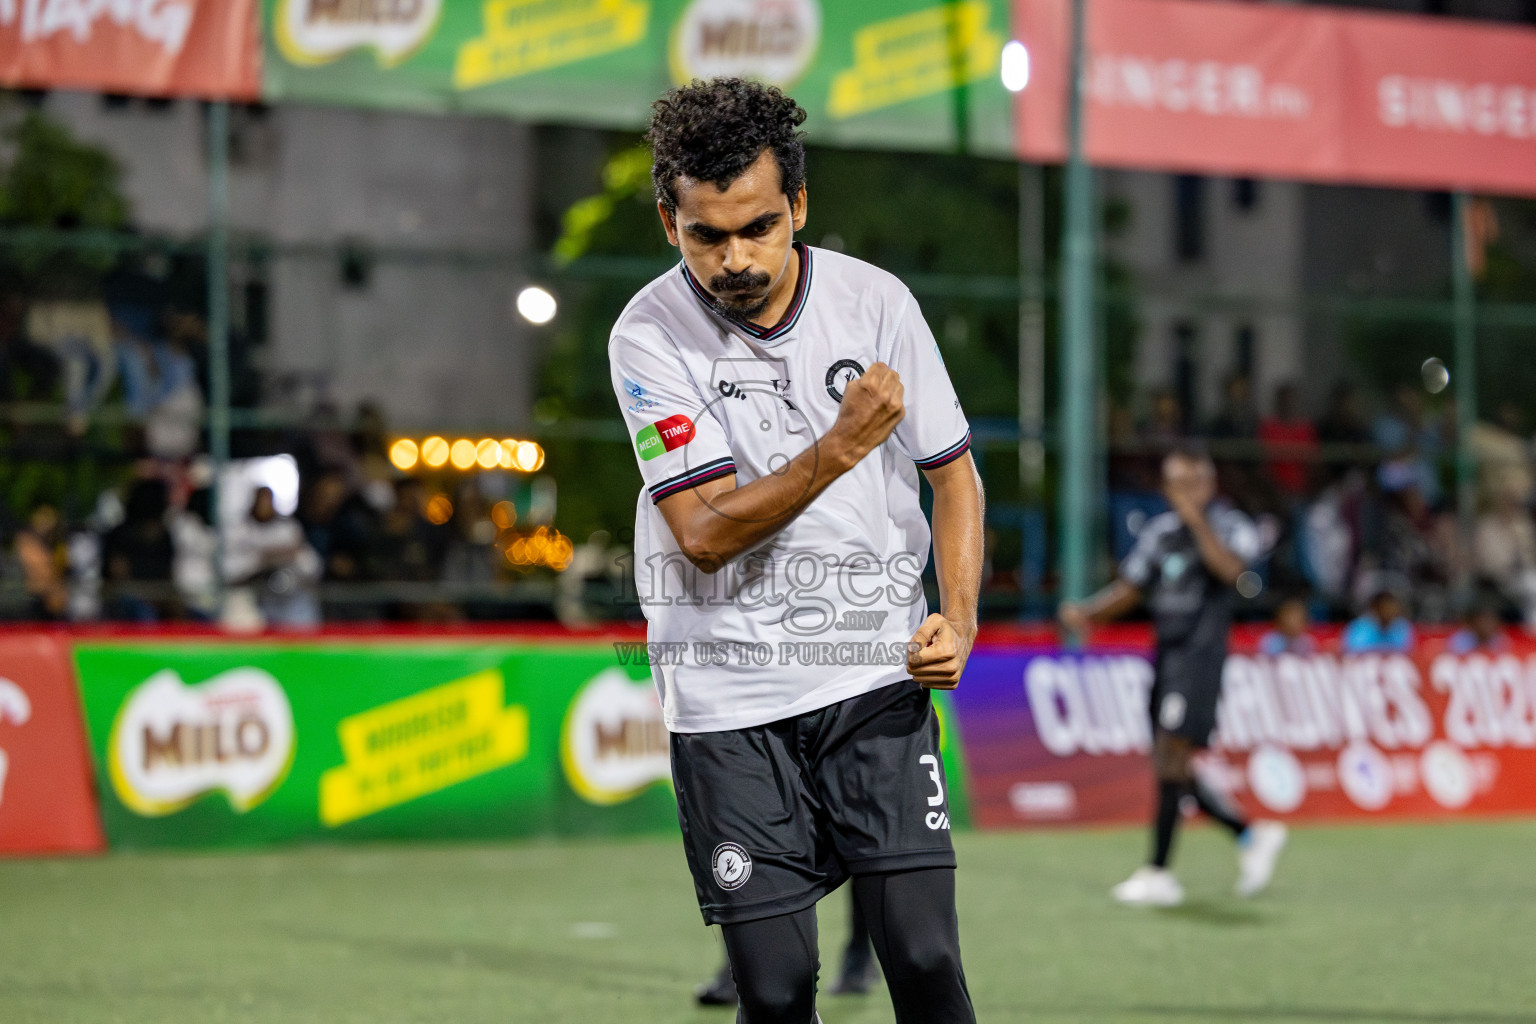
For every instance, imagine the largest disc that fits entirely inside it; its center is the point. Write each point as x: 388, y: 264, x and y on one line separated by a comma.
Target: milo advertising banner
x: 206, y: 744
x: 908, y: 73
x: 211, y: 744
x: 1056, y: 736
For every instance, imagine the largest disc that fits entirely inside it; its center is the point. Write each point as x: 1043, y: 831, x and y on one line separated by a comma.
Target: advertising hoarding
x: 47, y: 800
x: 1057, y: 737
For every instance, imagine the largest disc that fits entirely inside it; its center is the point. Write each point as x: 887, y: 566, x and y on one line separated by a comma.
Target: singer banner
x: 207, y: 48
x: 1063, y: 737
x: 1266, y: 90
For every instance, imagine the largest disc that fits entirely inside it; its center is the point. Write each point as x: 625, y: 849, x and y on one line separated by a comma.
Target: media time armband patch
x: 663, y: 436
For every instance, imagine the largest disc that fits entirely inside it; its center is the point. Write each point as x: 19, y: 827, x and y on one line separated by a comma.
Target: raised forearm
x: 1222, y: 563
x: 719, y: 521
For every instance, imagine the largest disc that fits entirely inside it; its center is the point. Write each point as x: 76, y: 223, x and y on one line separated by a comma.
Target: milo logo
x: 663, y: 436
x: 172, y: 742
x: 614, y: 744
x: 311, y: 32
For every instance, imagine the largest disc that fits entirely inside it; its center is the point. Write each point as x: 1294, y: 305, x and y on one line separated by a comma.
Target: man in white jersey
x: 782, y: 400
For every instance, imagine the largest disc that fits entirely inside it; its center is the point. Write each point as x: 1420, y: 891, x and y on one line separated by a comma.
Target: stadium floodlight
x: 1015, y: 66
x: 536, y: 305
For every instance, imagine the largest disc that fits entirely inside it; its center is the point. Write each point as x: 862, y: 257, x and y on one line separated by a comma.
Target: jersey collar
x: 791, y: 315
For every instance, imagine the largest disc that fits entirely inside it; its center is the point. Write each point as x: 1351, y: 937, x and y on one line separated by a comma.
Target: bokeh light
x: 543, y: 547
x: 488, y: 454
x: 463, y: 454
x: 536, y: 305
x: 403, y: 454
x: 1015, y: 66
x: 504, y: 515
x: 439, y: 509
x: 1250, y: 584
x: 1435, y: 375
x: 434, y: 452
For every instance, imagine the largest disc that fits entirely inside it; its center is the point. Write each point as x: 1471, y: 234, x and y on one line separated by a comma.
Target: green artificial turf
x: 1381, y: 924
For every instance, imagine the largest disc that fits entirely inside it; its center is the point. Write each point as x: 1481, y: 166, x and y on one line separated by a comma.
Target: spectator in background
x: 410, y: 545
x: 1237, y: 419
x: 195, y: 545
x: 1164, y: 428
x: 369, y: 440
x: 1331, y: 537
x: 339, y: 525
x: 1406, y: 540
x: 160, y: 388
x: 1483, y: 629
x: 137, y: 557
x: 1344, y: 422
x: 79, y: 333
x: 1504, y: 544
x: 1383, y: 629
x: 1500, y: 453
x: 1290, y: 442
x: 1411, y: 442
x: 1292, y: 629
x: 41, y: 550
x: 267, y: 557
x: 27, y: 371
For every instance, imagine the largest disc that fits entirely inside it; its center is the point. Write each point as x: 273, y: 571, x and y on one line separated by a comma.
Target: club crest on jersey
x: 731, y: 865
x: 839, y: 375
x: 663, y: 436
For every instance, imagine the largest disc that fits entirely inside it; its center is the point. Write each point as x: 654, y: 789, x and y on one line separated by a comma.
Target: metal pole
x: 1031, y: 329
x: 1464, y: 366
x: 218, y: 314
x: 1078, y: 375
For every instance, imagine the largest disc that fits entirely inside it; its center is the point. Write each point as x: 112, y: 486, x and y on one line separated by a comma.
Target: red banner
x: 47, y: 801
x: 1274, y: 91
x: 1057, y: 737
x: 207, y: 48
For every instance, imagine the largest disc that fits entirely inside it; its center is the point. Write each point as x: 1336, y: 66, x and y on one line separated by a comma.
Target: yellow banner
x: 523, y: 36
x: 422, y: 743
x: 914, y: 55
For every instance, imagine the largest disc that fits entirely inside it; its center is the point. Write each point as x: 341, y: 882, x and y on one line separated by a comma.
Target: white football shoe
x: 1257, y: 856
x: 1150, y: 887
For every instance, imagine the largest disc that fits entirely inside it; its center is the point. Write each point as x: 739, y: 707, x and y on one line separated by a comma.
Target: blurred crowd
x: 1357, y: 506
x: 358, y: 540
x: 1357, y: 503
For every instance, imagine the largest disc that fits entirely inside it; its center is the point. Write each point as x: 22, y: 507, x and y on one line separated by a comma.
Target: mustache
x: 743, y: 281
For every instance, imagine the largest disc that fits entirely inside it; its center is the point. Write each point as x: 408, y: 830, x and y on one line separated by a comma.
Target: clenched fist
x: 872, y: 406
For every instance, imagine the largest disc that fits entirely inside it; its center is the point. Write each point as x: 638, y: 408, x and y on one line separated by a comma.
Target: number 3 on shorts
x: 935, y: 819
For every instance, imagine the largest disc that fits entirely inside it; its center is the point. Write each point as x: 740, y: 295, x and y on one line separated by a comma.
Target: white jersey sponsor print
x: 822, y: 611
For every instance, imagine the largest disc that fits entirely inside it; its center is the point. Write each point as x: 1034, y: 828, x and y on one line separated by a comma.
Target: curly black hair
x: 713, y: 131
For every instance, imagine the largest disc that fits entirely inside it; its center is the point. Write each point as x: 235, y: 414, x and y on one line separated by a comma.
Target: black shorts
x: 1186, y: 687
x: 776, y: 816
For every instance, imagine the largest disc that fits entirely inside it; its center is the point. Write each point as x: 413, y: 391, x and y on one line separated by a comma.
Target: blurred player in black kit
x: 1185, y: 564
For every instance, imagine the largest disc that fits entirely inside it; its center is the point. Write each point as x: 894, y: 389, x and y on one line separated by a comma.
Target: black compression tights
x: 911, y: 918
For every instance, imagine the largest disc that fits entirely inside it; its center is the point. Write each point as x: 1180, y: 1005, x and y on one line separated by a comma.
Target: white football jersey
x: 822, y: 610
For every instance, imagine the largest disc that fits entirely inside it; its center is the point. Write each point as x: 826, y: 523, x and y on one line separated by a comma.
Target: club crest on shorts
x: 731, y: 865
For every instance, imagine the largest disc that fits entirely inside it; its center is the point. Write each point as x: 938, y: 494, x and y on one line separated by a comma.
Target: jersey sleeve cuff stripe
x: 698, y: 475
x: 948, y: 455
